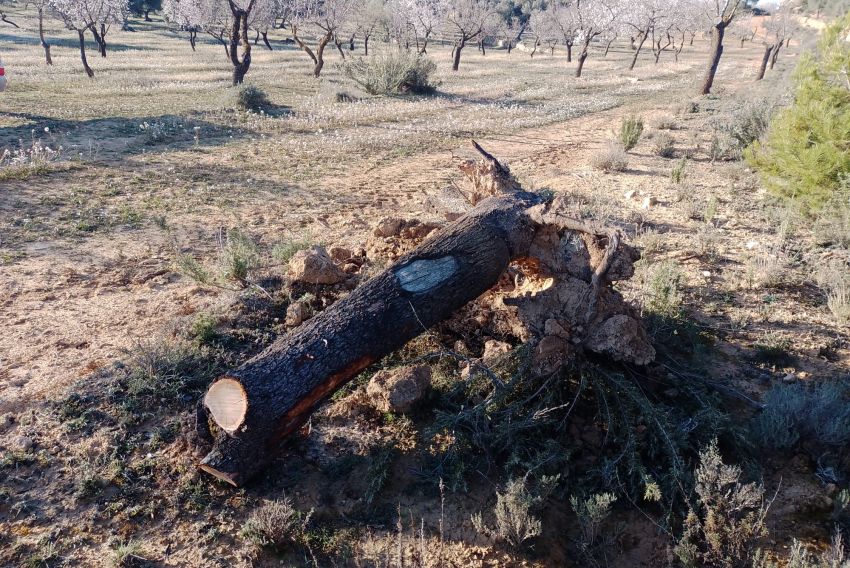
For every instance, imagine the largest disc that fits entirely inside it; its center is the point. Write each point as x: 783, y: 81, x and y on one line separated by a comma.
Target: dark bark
x: 239, y: 34
x: 775, y: 54
x: 456, y: 54
x: 569, y: 51
x: 88, y: 69
x: 481, y: 47
x: 581, y: 58
x: 717, y: 33
x: 44, y: 44
x: 257, y: 37
x: 643, y: 37
x: 282, y: 386
x: 320, y: 54
x: 265, y: 36
x: 608, y: 47
x: 147, y: 16
x: 99, y: 38
x: 339, y: 47
x: 193, y: 37
x: 768, y: 49
x: 366, y: 44
x: 5, y: 19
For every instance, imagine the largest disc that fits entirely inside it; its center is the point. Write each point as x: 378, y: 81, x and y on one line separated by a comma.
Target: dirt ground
x: 88, y: 253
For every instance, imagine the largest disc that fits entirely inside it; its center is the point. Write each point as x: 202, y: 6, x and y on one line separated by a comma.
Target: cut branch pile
x: 513, y: 262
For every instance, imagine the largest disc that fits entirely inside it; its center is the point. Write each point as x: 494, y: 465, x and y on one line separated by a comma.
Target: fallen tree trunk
x: 273, y: 394
x: 560, y: 303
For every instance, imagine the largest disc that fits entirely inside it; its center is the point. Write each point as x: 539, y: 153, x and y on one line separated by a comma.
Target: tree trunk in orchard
x: 239, y: 34
x: 193, y: 37
x: 266, y: 40
x: 44, y: 44
x: 320, y: 54
x: 581, y: 58
x: 88, y: 69
x: 775, y: 54
x: 273, y: 394
x: 637, y: 51
x: 768, y: 49
x: 569, y: 52
x: 717, y: 33
x: 456, y: 54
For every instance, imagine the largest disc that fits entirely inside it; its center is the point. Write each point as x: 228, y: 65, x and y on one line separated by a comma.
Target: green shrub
x: 793, y: 412
x: 661, y: 288
x: 630, y: 131
x: 805, y: 153
x: 392, y: 72
x: 248, y: 97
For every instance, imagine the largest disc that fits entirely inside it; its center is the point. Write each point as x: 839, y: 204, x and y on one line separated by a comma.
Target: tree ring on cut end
x: 227, y: 402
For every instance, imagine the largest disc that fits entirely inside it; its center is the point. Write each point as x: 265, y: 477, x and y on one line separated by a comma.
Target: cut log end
x: 228, y: 403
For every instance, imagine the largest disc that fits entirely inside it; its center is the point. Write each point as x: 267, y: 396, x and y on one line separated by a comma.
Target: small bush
x: 661, y: 288
x: 832, y: 226
x: 515, y: 523
x: 767, y: 269
x: 728, y: 521
x: 392, y: 72
x: 238, y: 256
x: 612, y: 158
x: 189, y: 266
x: 276, y: 525
x: 284, y: 251
x: 664, y: 122
x: 818, y: 413
x: 663, y: 145
x: 679, y: 174
x: 591, y: 513
x: 833, y: 557
x: 248, y: 97
x: 162, y: 372
x: 127, y: 555
x: 630, y: 130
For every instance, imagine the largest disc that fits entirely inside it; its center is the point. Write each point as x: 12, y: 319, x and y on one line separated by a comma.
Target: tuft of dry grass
x: 611, y: 158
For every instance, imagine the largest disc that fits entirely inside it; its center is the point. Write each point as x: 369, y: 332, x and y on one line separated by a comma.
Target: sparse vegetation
x: 277, y: 525
x: 515, y: 523
x: 612, y: 158
x: 663, y: 145
x: 726, y: 525
x: 630, y: 130
x: 817, y: 413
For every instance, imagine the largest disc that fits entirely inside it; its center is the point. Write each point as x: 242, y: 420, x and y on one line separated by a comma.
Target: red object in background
x: 2, y: 71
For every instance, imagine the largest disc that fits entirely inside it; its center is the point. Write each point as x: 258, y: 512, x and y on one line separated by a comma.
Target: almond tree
x: 226, y: 20
x: 467, y: 20
x: 91, y: 15
x: 744, y: 28
x: 592, y: 19
x: 642, y: 17
x: 3, y: 17
x: 720, y: 13
x: 368, y: 17
x: 541, y: 28
x: 565, y: 18
x: 325, y: 18
x: 776, y: 28
x: 40, y: 7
